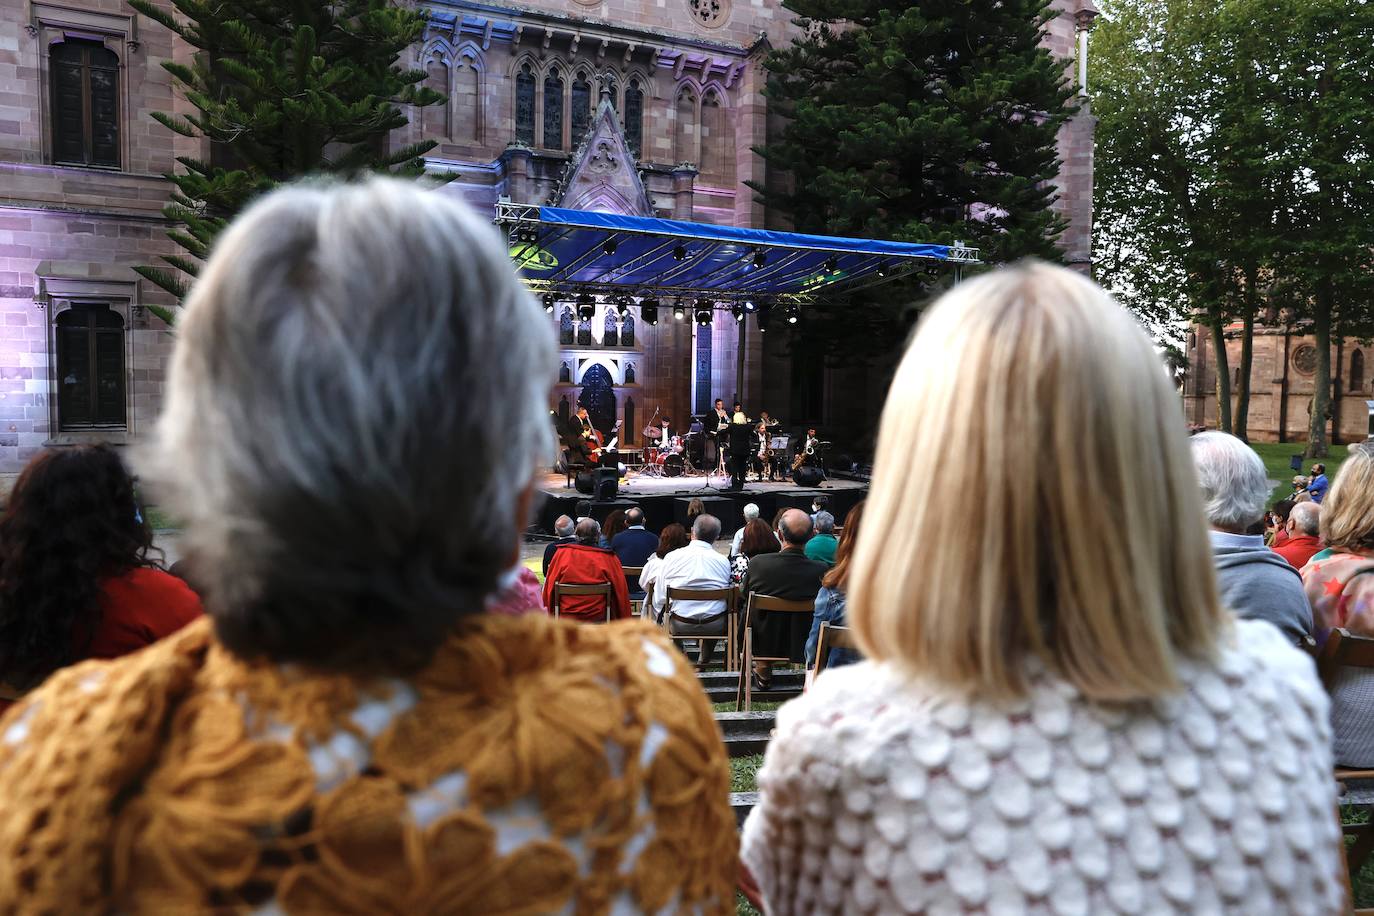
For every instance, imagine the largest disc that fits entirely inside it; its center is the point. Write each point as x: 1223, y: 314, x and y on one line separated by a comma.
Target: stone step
x: 746, y: 723
x: 720, y: 686
x: 743, y: 803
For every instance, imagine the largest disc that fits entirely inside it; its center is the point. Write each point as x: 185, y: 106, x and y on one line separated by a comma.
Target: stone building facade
x: 601, y: 104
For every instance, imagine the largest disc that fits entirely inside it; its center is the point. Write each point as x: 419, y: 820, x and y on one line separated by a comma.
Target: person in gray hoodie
x: 1254, y: 581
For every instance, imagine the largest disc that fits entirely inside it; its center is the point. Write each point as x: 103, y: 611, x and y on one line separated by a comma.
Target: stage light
x: 831, y: 265
x: 750, y: 306
x: 648, y: 311
x: 679, y: 312
x: 622, y: 305
x: 738, y: 311
x: 760, y: 258
x: 793, y: 313
x: 608, y: 247
x: 762, y: 317
x: 548, y: 301
x: 882, y: 268
x: 680, y: 253
x: 586, y: 307
x: 704, y: 317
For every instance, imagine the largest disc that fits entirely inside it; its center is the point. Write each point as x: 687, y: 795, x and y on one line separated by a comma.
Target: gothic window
x: 90, y: 367
x: 709, y: 13
x: 564, y: 373
x: 629, y: 375
x: 627, y: 429
x: 634, y: 117
x: 1357, y: 371
x: 466, y: 101
x: 524, y: 106
x: 434, y: 119
x: 712, y: 136
x: 584, y: 333
x: 85, y: 103
x: 553, y: 111
x: 684, y: 146
x: 627, y: 333
x: 565, y: 327
x: 581, y: 107
x: 611, y: 336
x: 564, y: 410
x: 598, y: 396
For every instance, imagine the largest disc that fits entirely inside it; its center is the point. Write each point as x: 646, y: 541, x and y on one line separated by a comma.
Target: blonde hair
x: 1347, y: 513
x: 1081, y: 538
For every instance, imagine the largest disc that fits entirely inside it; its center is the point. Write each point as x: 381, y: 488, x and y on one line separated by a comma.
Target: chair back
x: 1343, y: 649
x: 632, y: 584
x: 562, y: 590
x: 770, y: 605
x: 831, y: 637
x: 729, y: 595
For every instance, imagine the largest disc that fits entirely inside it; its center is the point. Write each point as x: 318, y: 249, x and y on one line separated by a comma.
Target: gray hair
x: 706, y: 528
x: 563, y: 526
x: 356, y: 366
x: 824, y: 522
x: 1307, y: 517
x: 795, y: 527
x: 588, y: 531
x: 1234, y: 483
x: 751, y: 512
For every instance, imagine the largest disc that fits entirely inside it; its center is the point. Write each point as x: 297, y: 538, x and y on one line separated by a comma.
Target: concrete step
x: 720, y: 686
x: 745, y: 733
x: 743, y: 803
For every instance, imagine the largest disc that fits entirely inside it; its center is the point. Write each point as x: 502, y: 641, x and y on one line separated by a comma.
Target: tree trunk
x: 1223, y: 371
x: 1321, y: 385
x: 1247, y: 347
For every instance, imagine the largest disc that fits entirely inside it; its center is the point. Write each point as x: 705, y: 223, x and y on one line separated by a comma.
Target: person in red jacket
x: 1304, y: 534
x: 584, y: 563
x: 76, y: 581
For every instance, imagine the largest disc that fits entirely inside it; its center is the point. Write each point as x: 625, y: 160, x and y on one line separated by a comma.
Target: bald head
x: 1306, y: 518
x: 795, y: 529
x: 589, y: 531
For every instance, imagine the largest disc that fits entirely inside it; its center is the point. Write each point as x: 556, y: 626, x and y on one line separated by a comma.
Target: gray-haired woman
x: 356, y: 408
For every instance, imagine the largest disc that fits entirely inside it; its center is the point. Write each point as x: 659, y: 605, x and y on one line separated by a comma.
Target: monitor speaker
x: 607, y: 484
x: 583, y: 482
x: 808, y: 477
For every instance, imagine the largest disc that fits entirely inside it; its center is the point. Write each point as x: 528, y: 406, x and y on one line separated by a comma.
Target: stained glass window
x: 565, y: 327
x: 611, y: 336
x: 627, y: 331
x: 553, y: 111
x: 581, y: 107
x: 524, y: 106
x: 634, y: 117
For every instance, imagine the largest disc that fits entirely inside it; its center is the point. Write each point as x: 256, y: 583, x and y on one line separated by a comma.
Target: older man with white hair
x: 697, y: 566
x: 751, y: 512
x: 1254, y: 581
x: 1304, y: 528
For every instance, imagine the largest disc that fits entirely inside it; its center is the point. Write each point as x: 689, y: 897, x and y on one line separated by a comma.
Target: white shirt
x: 663, y: 440
x: 695, y: 566
x: 648, y: 579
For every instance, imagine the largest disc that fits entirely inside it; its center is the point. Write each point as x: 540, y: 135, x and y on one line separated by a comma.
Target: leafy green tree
x: 282, y: 88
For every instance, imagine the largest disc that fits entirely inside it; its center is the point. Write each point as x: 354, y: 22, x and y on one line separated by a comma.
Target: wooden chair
x: 769, y: 605
x: 632, y: 575
x: 562, y: 589
x: 729, y: 594
x: 1344, y: 649
x: 831, y: 637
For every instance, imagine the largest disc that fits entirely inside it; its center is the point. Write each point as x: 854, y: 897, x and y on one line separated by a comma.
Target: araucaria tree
x: 282, y: 88
x: 922, y: 122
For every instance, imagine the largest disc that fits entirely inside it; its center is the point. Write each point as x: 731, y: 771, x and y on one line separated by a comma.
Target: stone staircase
x: 720, y: 686
x: 745, y: 733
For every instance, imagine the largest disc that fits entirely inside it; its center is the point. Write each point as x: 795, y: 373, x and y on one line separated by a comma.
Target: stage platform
x: 664, y: 499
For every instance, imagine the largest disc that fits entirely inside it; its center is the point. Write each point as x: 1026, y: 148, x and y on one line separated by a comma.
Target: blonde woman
x: 1056, y: 714
x: 1339, y: 582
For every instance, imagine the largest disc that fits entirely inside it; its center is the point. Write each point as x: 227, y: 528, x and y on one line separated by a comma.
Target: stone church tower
x: 650, y: 109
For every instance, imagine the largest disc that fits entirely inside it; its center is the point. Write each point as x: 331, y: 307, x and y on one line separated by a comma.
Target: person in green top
x: 823, y: 543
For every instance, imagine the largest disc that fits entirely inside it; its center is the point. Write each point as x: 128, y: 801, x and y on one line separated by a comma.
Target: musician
x: 663, y: 440
x: 591, y: 442
x: 715, y: 426
x: 763, y: 454
x: 768, y: 421
x: 741, y: 439
x: 806, y: 452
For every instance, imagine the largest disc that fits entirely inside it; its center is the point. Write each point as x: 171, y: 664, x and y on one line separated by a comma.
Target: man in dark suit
x: 634, y: 546
x: 564, y: 528
x: 714, y: 425
x: 788, y: 574
x: 741, y: 441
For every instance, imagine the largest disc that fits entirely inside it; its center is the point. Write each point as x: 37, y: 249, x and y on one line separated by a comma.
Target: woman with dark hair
x: 614, y: 524
x: 671, y: 538
x: 757, y: 539
x: 830, y: 599
x: 75, y: 578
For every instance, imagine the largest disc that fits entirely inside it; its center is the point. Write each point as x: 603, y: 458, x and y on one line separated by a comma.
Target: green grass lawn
x: 1276, y: 456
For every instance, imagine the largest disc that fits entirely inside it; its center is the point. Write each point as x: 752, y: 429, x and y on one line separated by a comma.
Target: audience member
x: 1255, y: 582
x: 672, y: 537
x: 757, y: 539
x: 697, y: 566
x: 819, y: 504
x: 1341, y: 590
x: 76, y: 581
x: 582, y: 510
x: 1055, y: 701
x: 823, y: 543
x: 751, y: 512
x: 634, y: 546
x: 586, y: 562
x: 1276, y: 527
x: 1318, y: 485
x: 1304, y: 534
x: 518, y: 592
x: 694, y: 508
x: 562, y: 527
x: 830, y: 600
x: 614, y: 524
x: 788, y: 574
x: 353, y: 733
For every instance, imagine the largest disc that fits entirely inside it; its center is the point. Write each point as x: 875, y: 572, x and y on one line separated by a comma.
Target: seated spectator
x: 757, y: 539
x: 76, y: 580
x: 518, y: 592
x: 1318, y: 485
x: 830, y: 599
x: 821, y: 503
x: 694, y: 508
x: 788, y: 574
x: 634, y: 546
x: 672, y: 537
x: 1276, y: 526
x: 751, y: 512
x: 614, y: 524
x: 1255, y: 582
x: 1341, y: 590
x: 1053, y: 702
x: 823, y: 543
x: 351, y: 733
x: 697, y: 565
x: 586, y: 562
x: 562, y: 527
x: 1304, y: 534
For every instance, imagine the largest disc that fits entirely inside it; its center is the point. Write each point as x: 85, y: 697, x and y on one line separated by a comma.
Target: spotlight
x: 586, y: 307
x: 679, y: 312
x: 793, y: 313
x: 750, y: 306
x: 738, y: 311
x: 622, y: 305
x: 762, y: 318
x: 680, y: 253
x: 831, y: 265
x: 548, y: 301
x: 703, y: 317
x: 882, y: 268
x: 760, y: 258
x: 608, y: 247
x: 648, y: 311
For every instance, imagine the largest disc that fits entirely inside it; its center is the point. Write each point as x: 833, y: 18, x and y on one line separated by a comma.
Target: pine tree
x: 282, y: 88
x: 920, y: 122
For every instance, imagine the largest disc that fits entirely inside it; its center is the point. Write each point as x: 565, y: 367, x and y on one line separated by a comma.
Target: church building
x: 647, y: 109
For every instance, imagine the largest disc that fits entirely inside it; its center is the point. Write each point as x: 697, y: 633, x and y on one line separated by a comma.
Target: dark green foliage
x: 283, y: 88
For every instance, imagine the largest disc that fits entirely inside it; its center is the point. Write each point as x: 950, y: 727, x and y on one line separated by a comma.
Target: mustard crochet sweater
x: 534, y: 766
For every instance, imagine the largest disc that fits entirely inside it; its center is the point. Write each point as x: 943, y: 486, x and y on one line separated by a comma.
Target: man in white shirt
x: 751, y: 512
x: 697, y: 566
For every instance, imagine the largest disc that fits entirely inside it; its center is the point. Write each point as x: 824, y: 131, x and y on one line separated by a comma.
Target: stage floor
x: 632, y: 485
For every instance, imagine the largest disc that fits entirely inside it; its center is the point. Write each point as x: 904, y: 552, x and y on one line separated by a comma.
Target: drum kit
x: 673, y: 458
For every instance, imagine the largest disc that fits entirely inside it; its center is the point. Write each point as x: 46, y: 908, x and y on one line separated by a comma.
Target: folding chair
x: 1343, y: 649
x: 769, y: 605
x: 561, y: 590
x: 831, y: 637
x: 730, y: 595
x: 632, y: 576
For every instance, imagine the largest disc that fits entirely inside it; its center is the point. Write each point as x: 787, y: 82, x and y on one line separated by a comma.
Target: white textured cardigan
x: 880, y: 795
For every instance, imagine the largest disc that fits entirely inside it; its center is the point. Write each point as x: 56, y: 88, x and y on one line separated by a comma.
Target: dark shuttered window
x: 90, y: 367
x: 85, y: 103
x: 524, y: 106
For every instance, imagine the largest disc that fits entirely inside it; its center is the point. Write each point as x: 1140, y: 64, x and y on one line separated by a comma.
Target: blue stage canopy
x: 562, y: 251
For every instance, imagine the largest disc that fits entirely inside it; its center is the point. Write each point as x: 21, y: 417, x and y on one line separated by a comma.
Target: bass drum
x: 674, y: 466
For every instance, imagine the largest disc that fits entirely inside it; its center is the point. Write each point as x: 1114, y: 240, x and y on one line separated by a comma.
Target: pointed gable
x: 601, y: 174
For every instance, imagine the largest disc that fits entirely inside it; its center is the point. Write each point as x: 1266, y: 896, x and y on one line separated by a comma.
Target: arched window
x: 581, y: 107
x: 584, y: 333
x: 712, y: 136
x: 684, y: 144
x: 524, y: 106
x: 90, y: 367
x: 627, y: 336
x: 610, y: 337
x: 634, y: 117
x: 629, y: 374
x: 434, y: 119
x: 467, y: 101
x: 1357, y: 371
x: 85, y: 103
x: 564, y: 373
x: 553, y: 110
x: 565, y: 327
